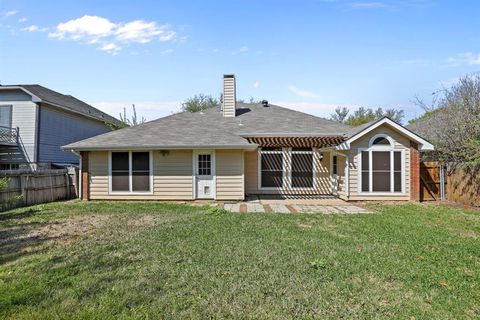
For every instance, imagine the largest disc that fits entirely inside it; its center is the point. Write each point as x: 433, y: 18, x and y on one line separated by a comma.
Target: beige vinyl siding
x: 400, y: 143
x: 322, y: 183
x: 172, y: 176
x: 229, y: 174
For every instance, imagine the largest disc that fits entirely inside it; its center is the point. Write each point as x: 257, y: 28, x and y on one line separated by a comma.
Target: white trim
x: 259, y: 161
x: 381, y: 135
x: 423, y: 144
x: 314, y: 170
x: 213, y: 172
x: 160, y: 147
x: 80, y: 196
x: 370, y: 171
x: 111, y: 192
x: 347, y: 176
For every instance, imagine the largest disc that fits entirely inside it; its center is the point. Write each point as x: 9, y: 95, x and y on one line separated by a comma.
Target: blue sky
x: 311, y: 55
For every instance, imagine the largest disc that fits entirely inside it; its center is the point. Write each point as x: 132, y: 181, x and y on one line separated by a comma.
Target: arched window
x: 381, y: 141
x: 381, y: 166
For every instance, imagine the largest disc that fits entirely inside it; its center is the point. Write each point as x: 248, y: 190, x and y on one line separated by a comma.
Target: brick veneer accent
x: 414, y: 172
x: 85, y: 183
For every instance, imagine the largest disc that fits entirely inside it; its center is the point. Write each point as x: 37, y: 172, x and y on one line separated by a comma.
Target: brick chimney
x: 229, y: 95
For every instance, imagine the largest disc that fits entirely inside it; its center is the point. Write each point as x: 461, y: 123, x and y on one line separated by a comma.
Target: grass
x: 117, y: 260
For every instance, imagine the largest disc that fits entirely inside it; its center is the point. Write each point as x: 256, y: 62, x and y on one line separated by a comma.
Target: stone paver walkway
x: 294, y: 208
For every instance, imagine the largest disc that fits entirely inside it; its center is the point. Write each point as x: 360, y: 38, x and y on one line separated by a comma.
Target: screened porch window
x: 302, y: 168
x: 130, y: 172
x: 381, y: 169
x: 271, y: 161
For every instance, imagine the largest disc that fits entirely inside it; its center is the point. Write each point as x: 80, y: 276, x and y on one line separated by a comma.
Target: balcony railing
x: 8, y: 136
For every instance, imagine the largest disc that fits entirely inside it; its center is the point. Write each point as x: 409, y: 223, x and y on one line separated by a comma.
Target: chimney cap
x: 228, y: 76
x: 265, y: 103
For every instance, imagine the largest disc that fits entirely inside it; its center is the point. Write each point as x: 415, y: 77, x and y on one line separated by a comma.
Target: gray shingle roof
x: 211, y: 129
x: 67, y: 102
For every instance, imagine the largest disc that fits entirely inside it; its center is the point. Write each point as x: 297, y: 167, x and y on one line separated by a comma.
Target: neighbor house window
x: 271, y: 167
x: 302, y: 168
x: 381, y: 169
x: 6, y: 116
x: 130, y: 172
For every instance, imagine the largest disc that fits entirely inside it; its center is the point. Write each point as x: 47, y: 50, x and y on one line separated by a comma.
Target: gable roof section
x: 66, y: 102
x: 360, y: 131
x: 211, y: 129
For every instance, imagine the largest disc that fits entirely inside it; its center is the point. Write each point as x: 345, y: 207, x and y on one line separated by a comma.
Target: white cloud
x: 34, y: 28
x: 22, y: 20
x: 143, y: 32
x: 467, y: 58
x: 302, y: 92
x: 316, y: 109
x: 150, y: 110
x: 256, y: 84
x: 368, y: 5
x: 167, y: 51
x: 242, y: 49
x: 111, y: 48
x: 109, y: 36
x: 10, y: 13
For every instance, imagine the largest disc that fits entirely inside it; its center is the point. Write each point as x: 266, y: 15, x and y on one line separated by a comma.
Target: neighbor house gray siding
x: 59, y: 128
x: 24, y: 113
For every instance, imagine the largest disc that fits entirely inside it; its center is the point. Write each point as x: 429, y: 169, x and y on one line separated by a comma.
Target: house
x: 35, y: 122
x: 241, y: 149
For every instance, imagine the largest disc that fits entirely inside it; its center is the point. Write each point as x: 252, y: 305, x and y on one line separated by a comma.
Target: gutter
x: 166, y: 147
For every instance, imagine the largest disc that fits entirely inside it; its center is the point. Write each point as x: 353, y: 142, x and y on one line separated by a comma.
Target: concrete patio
x: 276, y: 204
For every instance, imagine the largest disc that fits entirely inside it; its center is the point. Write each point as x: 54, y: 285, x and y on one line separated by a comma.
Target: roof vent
x: 265, y: 103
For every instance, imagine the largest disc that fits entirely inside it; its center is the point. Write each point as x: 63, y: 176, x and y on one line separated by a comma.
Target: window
x: 204, y: 164
x: 302, y: 168
x: 6, y: 116
x: 381, y: 171
x: 130, y: 172
x: 381, y: 141
x: 335, y: 165
x: 271, y: 162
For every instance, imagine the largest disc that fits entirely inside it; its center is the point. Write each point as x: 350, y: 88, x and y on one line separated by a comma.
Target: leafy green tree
x: 364, y: 115
x: 200, y: 102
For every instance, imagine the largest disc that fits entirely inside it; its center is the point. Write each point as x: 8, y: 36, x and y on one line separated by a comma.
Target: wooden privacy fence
x: 27, y: 188
x: 459, y: 185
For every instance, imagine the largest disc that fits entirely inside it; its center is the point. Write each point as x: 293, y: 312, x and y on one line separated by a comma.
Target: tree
x: 200, y: 102
x: 134, y: 121
x: 452, y: 122
x: 364, y: 115
x: 340, y: 114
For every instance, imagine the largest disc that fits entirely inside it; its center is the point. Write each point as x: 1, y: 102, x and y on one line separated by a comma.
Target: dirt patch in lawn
x: 20, y: 239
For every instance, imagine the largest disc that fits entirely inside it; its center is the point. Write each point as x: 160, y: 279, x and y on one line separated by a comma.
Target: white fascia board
x: 423, y: 144
x: 127, y: 148
x: 34, y: 97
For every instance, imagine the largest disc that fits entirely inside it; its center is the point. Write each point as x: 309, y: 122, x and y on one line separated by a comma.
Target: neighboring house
x: 244, y: 149
x: 35, y: 122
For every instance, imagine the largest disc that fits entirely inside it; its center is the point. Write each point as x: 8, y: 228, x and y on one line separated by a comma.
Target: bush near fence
x: 27, y: 187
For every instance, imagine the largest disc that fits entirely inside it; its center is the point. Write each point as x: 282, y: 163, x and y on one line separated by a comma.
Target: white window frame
x: 130, y: 192
x: 384, y: 148
x: 314, y: 171
x: 10, y: 120
x: 283, y: 152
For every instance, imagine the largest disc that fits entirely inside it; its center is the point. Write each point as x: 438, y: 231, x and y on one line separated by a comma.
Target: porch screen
x: 120, y: 171
x: 140, y: 171
x: 302, y: 168
x: 271, y: 168
x: 381, y: 171
x: 130, y: 171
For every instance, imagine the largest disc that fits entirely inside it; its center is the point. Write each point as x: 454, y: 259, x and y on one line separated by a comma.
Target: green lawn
x: 152, y: 260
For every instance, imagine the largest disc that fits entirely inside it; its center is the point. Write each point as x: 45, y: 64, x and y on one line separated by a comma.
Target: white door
x: 204, y: 175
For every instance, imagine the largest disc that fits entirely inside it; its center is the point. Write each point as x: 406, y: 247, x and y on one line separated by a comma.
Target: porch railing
x: 8, y: 136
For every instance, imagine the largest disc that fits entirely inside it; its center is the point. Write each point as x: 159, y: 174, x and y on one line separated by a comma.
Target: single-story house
x: 241, y: 149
